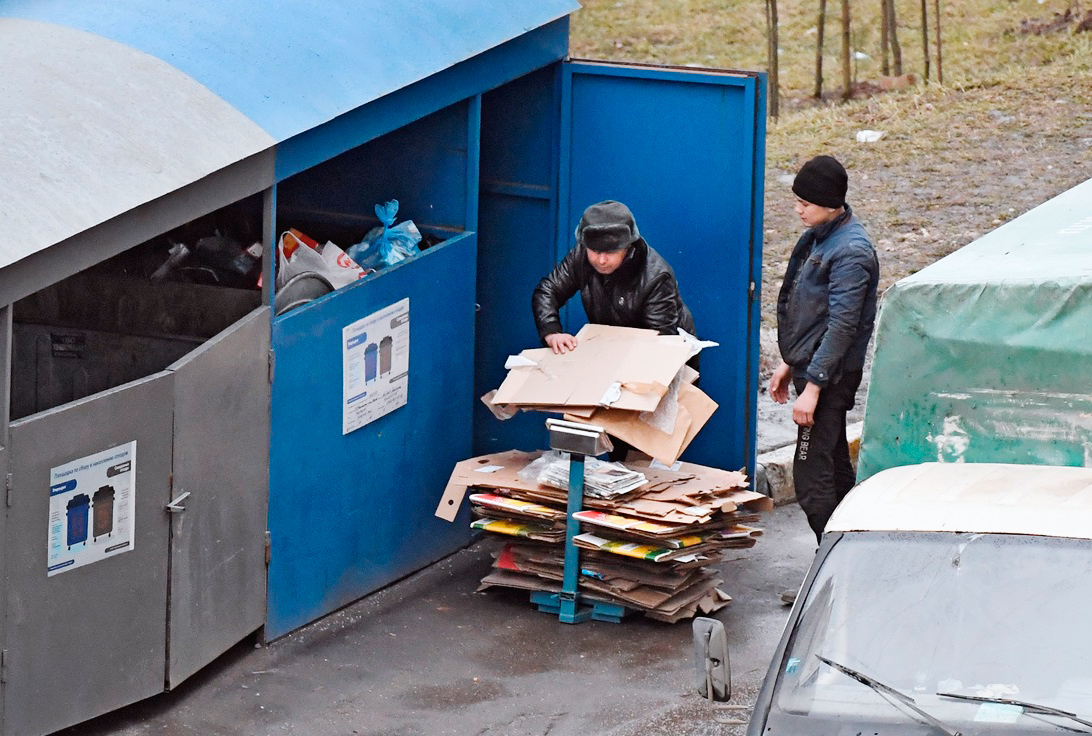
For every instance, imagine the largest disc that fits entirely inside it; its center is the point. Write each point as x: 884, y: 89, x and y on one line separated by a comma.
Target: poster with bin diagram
x: 375, y: 365
x: 91, y: 509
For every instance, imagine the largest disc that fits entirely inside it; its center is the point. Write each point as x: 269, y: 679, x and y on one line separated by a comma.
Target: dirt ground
x: 1006, y: 152
x: 924, y: 207
x: 1012, y: 128
x: 1003, y: 153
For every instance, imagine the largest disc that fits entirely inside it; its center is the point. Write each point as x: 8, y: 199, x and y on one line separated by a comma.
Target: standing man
x: 825, y: 314
x: 621, y: 280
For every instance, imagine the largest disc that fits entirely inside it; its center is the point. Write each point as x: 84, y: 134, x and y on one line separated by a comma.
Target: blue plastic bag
x: 387, y: 244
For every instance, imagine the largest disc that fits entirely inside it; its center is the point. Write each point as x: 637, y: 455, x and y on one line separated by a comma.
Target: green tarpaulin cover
x: 986, y: 355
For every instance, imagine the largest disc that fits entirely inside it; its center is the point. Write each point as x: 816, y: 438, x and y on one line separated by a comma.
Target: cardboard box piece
x: 620, y: 367
x: 649, y: 550
x: 695, y: 409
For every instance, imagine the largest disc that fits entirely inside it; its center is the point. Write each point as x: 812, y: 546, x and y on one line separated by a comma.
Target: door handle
x: 176, y: 506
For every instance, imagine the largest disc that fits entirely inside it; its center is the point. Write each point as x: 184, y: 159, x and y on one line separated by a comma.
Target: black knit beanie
x: 607, y: 226
x: 822, y: 181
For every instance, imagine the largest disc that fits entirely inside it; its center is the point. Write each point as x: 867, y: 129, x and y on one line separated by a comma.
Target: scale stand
x: 579, y: 440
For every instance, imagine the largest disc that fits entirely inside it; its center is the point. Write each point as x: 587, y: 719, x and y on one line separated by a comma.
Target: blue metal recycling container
x: 498, y: 155
x: 493, y: 141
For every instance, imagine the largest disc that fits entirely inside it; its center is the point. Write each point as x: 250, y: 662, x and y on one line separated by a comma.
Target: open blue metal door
x: 684, y: 149
x: 350, y: 513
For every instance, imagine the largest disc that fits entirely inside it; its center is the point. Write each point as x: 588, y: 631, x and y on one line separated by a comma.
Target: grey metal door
x: 221, y: 478
x: 88, y: 635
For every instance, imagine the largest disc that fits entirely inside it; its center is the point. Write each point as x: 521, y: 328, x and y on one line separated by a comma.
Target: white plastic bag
x: 296, y: 254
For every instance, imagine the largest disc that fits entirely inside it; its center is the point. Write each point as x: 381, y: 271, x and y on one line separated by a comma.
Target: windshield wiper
x: 887, y: 690
x: 1043, y: 710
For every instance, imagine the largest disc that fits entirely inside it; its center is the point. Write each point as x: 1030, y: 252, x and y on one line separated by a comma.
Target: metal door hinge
x: 9, y: 489
x: 268, y: 548
x: 3, y: 665
x: 272, y: 363
x: 751, y: 291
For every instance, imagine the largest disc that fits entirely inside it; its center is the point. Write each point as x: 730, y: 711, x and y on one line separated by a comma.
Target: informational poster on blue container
x: 92, y: 509
x: 375, y: 365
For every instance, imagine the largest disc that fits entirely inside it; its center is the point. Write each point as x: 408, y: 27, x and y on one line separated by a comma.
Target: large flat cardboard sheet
x: 638, y: 365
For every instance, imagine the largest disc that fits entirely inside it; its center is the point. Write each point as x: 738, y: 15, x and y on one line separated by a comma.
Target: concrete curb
x: 774, y: 472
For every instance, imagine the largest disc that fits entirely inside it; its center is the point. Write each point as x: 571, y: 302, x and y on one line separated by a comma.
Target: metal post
x: 269, y: 243
x: 579, y: 440
x: 570, y: 599
x: 5, y: 371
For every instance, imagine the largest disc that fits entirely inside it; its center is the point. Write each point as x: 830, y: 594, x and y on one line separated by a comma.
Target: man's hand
x: 803, y: 411
x: 561, y: 342
x: 779, y: 383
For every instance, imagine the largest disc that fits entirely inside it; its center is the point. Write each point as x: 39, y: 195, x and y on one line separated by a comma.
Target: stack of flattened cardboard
x: 632, y: 382
x: 647, y: 550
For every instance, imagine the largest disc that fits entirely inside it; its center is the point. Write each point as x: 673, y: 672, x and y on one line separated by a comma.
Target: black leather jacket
x: 641, y: 293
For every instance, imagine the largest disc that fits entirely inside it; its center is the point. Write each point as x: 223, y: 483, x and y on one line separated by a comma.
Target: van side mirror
x: 713, y: 670
x: 711, y: 664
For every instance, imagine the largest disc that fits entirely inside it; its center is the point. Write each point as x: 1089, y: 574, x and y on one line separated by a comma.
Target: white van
x: 944, y: 599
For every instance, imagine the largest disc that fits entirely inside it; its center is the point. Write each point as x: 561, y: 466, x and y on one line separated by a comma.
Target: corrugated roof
x: 110, y: 104
x: 988, y: 498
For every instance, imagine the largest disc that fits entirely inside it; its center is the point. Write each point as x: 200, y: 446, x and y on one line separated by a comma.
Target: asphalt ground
x: 428, y: 656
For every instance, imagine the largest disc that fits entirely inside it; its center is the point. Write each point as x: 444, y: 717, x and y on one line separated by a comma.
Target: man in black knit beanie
x: 825, y: 314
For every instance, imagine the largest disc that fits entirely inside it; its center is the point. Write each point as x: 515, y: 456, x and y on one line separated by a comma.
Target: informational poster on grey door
x: 92, y: 509
x: 375, y: 365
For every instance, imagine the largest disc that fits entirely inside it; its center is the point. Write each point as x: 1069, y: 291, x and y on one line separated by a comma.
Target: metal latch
x: 175, y: 506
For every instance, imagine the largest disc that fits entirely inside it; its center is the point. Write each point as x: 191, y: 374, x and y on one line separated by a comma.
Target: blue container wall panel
x: 518, y: 215
x: 351, y: 513
x: 533, y: 50
x: 680, y: 148
x: 423, y: 165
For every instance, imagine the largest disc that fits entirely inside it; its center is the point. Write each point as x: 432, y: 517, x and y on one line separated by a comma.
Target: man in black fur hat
x: 622, y: 281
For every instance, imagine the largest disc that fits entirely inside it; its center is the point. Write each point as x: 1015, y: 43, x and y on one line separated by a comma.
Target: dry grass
x: 980, y: 38
x: 1011, y: 127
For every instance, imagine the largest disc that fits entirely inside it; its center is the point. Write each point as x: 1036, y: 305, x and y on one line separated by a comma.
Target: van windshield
x: 991, y: 616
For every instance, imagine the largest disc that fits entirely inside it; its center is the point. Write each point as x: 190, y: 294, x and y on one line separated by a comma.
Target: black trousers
x: 821, y: 470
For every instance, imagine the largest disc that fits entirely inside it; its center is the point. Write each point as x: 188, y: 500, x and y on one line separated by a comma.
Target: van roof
x: 971, y: 497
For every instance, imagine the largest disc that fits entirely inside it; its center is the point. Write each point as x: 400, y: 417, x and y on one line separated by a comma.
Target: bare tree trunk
x: 940, y: 62
x: 847, y: 68
x: 819, y: 49
x: 885, y: 45
x: 925, y: 35
x: 771, y: 51
x: 893, y: 37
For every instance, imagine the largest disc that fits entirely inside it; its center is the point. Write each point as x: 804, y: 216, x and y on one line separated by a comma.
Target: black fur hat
x: 607, y: 226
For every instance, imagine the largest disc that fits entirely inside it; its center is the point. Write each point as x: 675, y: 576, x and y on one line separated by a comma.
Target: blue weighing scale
x: 579, y: 440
